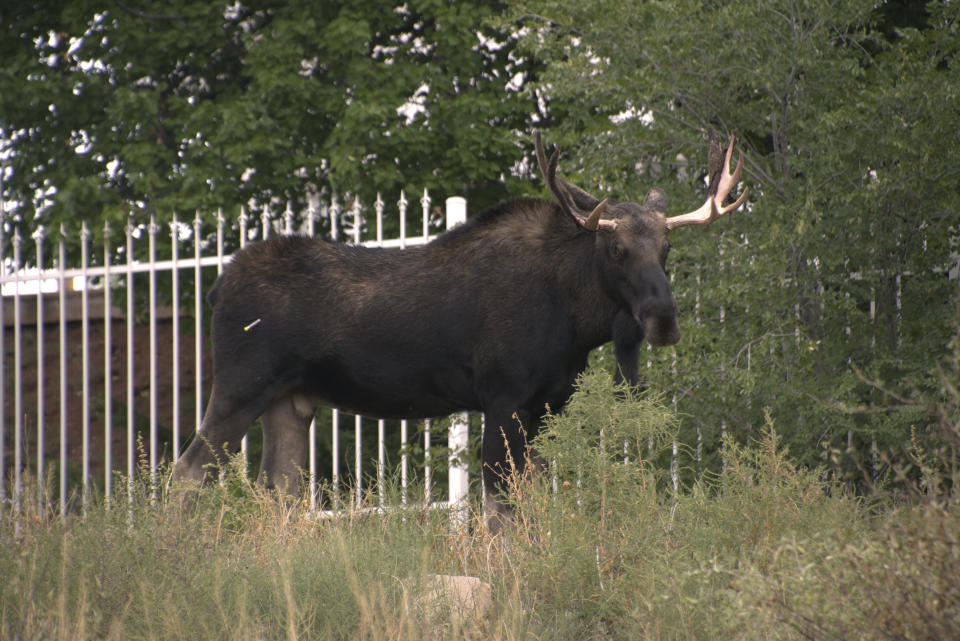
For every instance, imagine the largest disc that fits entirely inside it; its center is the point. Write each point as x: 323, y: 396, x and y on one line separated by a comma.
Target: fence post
x: 85, y: 364
x: 41, y: 446
x: 107, y: 374
x: 17, y: 374
x: 62, y: 300
x: 152, y: 230
x: 131, y: 414
x: 458, y: 437
x: 197, y: 322
x: 175, y: 333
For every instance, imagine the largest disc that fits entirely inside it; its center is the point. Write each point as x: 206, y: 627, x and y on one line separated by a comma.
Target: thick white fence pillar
x: 458, y: 437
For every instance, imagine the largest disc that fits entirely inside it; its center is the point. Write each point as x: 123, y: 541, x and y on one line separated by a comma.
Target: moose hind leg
x: 504, y: 455
x: 285, y: 431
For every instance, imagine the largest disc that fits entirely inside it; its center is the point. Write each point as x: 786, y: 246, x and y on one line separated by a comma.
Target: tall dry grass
x: 602, y: 548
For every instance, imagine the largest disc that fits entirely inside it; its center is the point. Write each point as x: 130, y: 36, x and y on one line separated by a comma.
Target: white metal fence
x: 47, y: 305
x: 57, y: 322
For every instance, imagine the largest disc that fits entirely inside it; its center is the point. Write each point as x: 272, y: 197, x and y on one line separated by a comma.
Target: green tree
x: 162, y: 108
x: 836, y: 273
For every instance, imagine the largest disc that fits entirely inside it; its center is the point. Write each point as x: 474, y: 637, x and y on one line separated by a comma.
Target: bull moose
x: 497, y: 315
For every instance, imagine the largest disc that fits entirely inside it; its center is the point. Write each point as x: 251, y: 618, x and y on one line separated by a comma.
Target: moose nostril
x: 661, y: 307
x: 664, y: 306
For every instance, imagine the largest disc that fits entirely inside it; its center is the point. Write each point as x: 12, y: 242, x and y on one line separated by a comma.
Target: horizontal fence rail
x: 155, y: 361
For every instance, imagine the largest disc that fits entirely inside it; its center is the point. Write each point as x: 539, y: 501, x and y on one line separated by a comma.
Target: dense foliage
x: 816, y: 322
x: 825, y: 301
x: 828, y: 299
x: 162, y: 108
x: 763, y: 549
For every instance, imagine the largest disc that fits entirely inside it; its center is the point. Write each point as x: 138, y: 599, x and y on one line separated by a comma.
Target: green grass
x: 602, y: 549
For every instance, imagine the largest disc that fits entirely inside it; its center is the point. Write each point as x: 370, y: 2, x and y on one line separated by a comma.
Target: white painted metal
x: 288, y: 220
x: 427, y: 468
x: 198, y: 321
x: 458, y: 439
x: 312, y: 435
x: 378, y: 208
x: 175, y: 342
x: 459, y: 480
x: 334, y: 218
x: 381, y: 461
x: 89, y: 276
x: 358, y: 460
x: 357, y: 420
x: 357, y: 222
x: 265, y: 222
x: 242, y: 224
x: 17, y: 383
x: 152, y: 297
x: 62, y: 299
x: 85, y: 356
x: 107, y: 371
x: 312, y: 465
x: 131, y: 424
x: 335, y: 447
x: 425, y: 208
x: 404, y: 461
x: 335, y: 418
x: 41, y: 446
x: 402, y: 204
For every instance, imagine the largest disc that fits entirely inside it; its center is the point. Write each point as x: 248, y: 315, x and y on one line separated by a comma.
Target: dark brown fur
x: 497, y: 316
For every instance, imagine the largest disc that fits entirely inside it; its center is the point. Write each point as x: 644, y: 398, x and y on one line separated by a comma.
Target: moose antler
x: 564, y: 191
x: 720, y: 188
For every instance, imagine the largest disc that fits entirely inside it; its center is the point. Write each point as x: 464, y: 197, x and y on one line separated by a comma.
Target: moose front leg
x: 504, y: 455
x: 225, y: 422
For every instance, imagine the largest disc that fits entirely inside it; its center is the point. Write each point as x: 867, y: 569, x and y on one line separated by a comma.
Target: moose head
x: 634, y: 239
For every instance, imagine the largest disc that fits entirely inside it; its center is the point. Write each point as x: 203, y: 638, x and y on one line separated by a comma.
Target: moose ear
x: 656, y: 200
x: 583, y: 201
x: 573, y: 200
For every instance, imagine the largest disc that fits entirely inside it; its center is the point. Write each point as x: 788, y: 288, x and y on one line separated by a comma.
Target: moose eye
x: 617, y: 250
